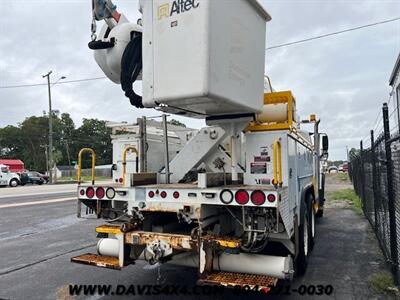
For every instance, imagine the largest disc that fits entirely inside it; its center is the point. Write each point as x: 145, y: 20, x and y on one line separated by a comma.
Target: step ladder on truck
x: 239, y: 200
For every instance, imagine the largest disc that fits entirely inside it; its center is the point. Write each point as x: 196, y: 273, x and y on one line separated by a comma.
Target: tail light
x: 90, y: 192
x: 258, y: 197
x: 163, y: 194
x: 110, y: 193
x: 175, y: 195
x: 226, y: 196
x: 271, y: 198
x: 151, y: 194
x: 100, y: 193
x: 242, y: 197
x: 82, y: 192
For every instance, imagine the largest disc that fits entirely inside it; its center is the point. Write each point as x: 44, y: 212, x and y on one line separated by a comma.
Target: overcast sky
x: 343, y: 79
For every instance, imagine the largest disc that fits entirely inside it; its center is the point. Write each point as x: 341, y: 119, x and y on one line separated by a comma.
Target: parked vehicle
x: 333, y: 169
x: 8, y: 178
x: 33, y: 177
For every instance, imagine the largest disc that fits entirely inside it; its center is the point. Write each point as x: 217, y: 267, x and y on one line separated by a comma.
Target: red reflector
x: 90, y: 192
x: 163, y: 194
x: 258, y: 198
x: 242, y: 197
x: 151, y: 194
x: 271, y: 198
x: 100, y: 193
x: 175, y: 195
x: 120, y: 180
x: 82, y: 192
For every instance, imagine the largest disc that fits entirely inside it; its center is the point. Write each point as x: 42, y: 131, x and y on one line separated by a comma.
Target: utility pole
x: 47, y: 157
x: 69, y: 159
x: 50, y: 152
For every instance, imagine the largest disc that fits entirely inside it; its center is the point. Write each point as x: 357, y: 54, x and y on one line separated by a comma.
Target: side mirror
x: 325, y: 143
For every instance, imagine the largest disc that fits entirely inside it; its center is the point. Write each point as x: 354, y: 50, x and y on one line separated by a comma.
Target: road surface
x: 38, y: 239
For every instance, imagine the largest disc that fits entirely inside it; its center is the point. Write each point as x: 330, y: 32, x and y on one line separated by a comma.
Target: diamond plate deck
x: 97, y: 260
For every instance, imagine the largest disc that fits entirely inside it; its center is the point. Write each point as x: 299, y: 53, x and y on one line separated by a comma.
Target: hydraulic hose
x: 131, y: 66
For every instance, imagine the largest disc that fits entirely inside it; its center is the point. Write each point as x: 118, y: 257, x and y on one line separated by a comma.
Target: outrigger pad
x: 102, y: 261
x: 229, y: 279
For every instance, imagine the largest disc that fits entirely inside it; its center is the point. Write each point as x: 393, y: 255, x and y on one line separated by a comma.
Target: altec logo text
x: 177, y: 7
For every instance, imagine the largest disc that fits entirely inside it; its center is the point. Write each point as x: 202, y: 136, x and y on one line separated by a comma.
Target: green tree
x: 11, y: 144
x: 94, y: 134
x: 29, y: 141
x: 34, y: 133
x: 176, y: 123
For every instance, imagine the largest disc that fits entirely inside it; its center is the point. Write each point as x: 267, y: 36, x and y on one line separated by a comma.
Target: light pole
x: 50, y: 152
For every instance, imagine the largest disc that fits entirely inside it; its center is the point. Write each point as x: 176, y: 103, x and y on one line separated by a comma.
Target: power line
x: 268, y: 48
x: 40, y: 84
x: 332, y: 33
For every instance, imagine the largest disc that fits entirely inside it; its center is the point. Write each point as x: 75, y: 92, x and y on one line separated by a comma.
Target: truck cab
x: 8, y: 178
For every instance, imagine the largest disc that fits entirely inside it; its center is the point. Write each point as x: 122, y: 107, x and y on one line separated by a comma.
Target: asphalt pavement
x: 38, y: 240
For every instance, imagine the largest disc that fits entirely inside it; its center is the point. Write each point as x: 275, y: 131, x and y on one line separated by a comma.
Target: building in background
x: 394, y: 82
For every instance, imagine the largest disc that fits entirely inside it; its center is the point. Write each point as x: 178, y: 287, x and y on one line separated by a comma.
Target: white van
x: 8, y: 178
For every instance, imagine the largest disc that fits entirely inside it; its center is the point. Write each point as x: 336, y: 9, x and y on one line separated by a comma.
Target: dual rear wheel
x: 306, y: 234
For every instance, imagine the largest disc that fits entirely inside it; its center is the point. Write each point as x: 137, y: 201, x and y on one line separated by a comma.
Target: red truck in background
x: 14, y: 165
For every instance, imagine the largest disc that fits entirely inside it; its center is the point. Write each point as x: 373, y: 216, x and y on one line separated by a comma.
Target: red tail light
x: 100, y: 193
x: 90, y: 192
x: 151, y: 194
x: 258, y: 198
x: 163, y: 194
x: 82, y: 192
x: 271, y: 198
x: 175, y: 195
x: 242, y: 197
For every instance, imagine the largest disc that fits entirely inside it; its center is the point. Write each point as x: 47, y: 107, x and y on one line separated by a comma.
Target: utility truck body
x: 239, y: 200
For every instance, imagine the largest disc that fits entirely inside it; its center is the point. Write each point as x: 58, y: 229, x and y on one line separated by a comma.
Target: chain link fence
x: 375, y: 173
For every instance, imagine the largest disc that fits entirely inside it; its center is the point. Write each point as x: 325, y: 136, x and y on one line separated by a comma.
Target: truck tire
x: 310, y: 203
x: 304, y: 229
x: 321, y: 193
x: 14, y: 182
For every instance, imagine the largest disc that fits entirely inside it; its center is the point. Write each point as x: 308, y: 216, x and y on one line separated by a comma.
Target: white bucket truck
x: 239, y: 200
